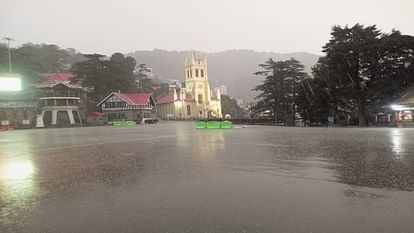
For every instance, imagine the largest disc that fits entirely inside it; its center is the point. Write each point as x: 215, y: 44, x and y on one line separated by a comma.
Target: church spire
x: 192, y: 56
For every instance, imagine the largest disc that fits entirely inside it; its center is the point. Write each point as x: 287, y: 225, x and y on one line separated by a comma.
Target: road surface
x: 170, y: 177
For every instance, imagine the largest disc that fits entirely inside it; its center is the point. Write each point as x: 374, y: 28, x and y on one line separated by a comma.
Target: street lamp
x: 8, y: 39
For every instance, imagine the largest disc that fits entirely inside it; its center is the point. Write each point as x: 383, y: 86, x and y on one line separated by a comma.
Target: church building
x: 195, y: 100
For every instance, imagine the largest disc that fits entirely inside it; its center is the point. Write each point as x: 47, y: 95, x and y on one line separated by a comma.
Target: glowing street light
x: 395, y: 107
x: 10, y: 84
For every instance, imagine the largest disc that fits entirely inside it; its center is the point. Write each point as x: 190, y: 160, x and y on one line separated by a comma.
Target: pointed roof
x: 135, y: 98
x: 166, y: 99
x: 130, y: 98
x: 58, y: 76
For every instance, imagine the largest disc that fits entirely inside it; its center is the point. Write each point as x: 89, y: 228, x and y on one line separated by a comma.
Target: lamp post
x: 8, y: 39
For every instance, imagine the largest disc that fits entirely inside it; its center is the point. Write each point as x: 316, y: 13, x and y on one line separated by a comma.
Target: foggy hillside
x: 233, y: 68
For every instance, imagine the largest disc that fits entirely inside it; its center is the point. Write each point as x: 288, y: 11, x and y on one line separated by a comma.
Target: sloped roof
x: 130, y: 98
x: 135, y: 98
x: 52, y: 85
x: 58, y: 77
x: 49, y: 80
x: 166, y: 99
x: 96, y: 114
x: 406, y: 98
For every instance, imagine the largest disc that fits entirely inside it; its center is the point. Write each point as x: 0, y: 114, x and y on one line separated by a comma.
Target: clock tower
x: 194, y: 101
x: 196, y: 84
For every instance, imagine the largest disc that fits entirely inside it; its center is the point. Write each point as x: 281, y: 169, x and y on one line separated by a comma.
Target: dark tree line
x: 229, y: 106
x: 29, y: 60
x: 101, y: 76
x: 362, y: 71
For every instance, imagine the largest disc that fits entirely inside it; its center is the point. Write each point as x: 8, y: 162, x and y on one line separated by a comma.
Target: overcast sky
x: 105, y: 26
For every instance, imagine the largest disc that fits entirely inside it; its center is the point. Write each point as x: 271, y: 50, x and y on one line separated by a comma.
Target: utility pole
x: 8, y: 39
x: 294, y: 102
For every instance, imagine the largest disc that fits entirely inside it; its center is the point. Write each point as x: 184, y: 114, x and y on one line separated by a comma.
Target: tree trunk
x: 362, y: 113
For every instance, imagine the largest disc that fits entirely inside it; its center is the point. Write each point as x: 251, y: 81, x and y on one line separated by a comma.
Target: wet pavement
x: 171, y: 177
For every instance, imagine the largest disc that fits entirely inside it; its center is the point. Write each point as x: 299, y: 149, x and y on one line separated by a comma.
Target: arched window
x: 188, y: 110
x: 200, y: 98
x: 63, y: 118
x: 47, y: 118
x: 202, y: 73
x: 196, y: 73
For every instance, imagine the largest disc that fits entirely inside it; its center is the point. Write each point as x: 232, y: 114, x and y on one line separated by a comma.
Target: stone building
x: 195, y: 100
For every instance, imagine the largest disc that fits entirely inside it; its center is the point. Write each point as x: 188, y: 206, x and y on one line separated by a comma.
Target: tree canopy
x: 144, y: 79
x: 30, y: 60
x: 103, y: 76
x: 279, y: 89
x: 229, y: 106
x: 363, y: 69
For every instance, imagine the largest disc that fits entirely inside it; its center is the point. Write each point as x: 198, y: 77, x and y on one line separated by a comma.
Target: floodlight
x: 10, y: 84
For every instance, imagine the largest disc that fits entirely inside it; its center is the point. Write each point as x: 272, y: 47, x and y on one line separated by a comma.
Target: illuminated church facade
x: 195, y: 100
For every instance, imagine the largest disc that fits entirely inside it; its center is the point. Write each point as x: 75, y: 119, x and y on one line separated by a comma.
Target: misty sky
x: 105, y: 26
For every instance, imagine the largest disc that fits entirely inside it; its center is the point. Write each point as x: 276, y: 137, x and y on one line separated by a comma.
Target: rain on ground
x: 171, y: 177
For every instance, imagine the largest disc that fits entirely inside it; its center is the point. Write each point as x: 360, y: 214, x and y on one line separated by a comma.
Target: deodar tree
x: 366, y: 67
x: 101, y: 76
x: 279, y: 89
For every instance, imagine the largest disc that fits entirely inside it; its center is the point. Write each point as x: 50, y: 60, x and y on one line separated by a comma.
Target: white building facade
x: 194, y: 101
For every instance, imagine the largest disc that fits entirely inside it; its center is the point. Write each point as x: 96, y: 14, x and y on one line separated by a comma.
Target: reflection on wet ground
x: 170, y: 177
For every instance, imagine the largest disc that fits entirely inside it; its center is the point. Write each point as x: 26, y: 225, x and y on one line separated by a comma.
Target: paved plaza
x: 170, y: 177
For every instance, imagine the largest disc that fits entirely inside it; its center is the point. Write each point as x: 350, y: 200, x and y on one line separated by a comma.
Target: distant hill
x: 233, y: 68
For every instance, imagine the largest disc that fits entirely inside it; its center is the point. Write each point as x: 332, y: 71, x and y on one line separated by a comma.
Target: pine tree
x: 279, y: 89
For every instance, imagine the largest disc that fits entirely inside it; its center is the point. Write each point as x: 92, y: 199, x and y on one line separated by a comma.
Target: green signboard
x: 214, y: 124
x: 226, y: 124
x: 201, y: 124
x: 123, y: 123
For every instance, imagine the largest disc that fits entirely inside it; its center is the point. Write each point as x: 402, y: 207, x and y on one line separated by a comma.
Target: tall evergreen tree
x: 229, y: 106
x: 101, y: 76
x: 144, y: 80
x: 367, y: 67
x: 279, y: 89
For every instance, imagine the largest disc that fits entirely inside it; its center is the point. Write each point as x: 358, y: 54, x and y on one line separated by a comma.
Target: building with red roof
x: 63, y: 102
x: 128, y: 106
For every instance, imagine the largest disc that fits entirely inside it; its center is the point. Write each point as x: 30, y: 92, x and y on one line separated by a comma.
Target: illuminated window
x: 405, y: 116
